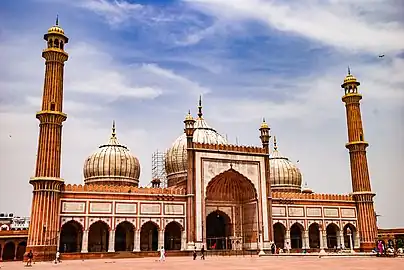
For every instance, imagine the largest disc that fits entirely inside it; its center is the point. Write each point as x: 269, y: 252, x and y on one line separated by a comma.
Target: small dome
x: 284, y: 175
x: 306, y: 189
x: 176, y: 163
x: 349, y: 79
x: 56, y: 29
x: 112, y: 164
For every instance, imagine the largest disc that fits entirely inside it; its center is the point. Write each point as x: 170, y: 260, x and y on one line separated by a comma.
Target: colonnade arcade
x: 231, y: 212
x: 314, y: 237
x: 125, y: 237
x: 12, y: 250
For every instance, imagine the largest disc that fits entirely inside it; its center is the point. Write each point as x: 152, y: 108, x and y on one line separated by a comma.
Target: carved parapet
x: 230, y: 148
x: 123, y: 189
x: 312, y: 196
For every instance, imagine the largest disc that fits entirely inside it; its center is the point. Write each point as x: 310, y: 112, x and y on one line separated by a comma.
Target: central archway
x: 238, y: 197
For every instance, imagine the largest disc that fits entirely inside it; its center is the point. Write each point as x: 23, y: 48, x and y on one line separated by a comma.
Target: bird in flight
x: 382, y: 55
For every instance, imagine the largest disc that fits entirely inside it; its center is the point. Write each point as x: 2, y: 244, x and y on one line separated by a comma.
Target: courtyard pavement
x: 220, y: 263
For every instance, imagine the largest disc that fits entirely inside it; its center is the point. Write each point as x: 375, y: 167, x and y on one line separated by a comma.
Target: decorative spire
x: 189, y: 116
x: 275, y: 145
x: 264, y: 124
x: 113, y: 129
x: 349, y: 70
x: 57, y: 19
x: 200, y: 108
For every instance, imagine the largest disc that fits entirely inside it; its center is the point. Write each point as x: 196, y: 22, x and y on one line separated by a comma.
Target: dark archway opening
x: 332, y: 234
x: 172, y: 236
x: 347, y: 241
x: 218, y: 230
x: 296, y: 236
x: 124, y: 237
x: 71, y: 237
x: 314, y: 236
x: 9, y: 251
x: 149, y: 236
x: 22, y: 246
x: 98, y: 237
x: 279, y: 235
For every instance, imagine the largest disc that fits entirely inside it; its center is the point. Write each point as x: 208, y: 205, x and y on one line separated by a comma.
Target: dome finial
x: 57, y: 19
x: 113, y: 129
x: 275, y: 145
x: 349, y: 70
x: 200, y: 107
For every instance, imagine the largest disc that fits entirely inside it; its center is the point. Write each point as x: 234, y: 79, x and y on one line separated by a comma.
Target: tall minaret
x: 357, y: 145
x: 43, y: 229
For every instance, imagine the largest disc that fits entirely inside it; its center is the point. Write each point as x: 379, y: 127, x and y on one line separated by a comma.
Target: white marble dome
x: 284, y: 175
x: 176, y: 162
x: 112, y: 164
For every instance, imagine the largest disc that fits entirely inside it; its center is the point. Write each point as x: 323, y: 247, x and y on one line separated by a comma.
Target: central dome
x: 176, y: 162
x: 112, y: 164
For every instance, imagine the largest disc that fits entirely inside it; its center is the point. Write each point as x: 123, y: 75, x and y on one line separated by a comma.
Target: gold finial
x: 264, y: 124
x: 189, y: 116
x: 349, y: 71
x: 113, y: 129
x: 275, y: 145
x: 57, y: 19
x: 200, y: 108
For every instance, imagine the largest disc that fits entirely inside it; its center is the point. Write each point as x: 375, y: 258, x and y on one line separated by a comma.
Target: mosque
x: 218, y: 195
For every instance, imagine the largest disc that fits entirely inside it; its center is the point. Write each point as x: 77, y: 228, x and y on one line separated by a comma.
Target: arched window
x: 61, y: 44
x: 56, y: 43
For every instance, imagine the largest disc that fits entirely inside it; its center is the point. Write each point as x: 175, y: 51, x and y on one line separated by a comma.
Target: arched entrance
x: 279, y: 235
x: 218, y: 230
x: 124, y: 236
x: 172, y: 236
x: 9, y: 251
x: 22, y: 246
x: 296, y: 232
x: 332, y: 235
x: 347, y: 241
x: 149, y: 237
x: 237, y: 192
x: 98, y: 237
x: 314, y: 236
x: 71, y: 236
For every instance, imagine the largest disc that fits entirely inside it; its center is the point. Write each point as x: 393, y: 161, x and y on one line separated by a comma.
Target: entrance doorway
x: 218, y: 230
x: 149, y: 237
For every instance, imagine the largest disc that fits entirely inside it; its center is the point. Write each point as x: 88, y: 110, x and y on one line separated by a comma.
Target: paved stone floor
x: 222, y: 263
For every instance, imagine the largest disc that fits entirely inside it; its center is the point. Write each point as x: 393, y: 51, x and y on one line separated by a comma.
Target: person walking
x: 57, y: 259
x: 203, y: 252
x: 194, y: 254
x: 162, y: 254
x: 30, y: 256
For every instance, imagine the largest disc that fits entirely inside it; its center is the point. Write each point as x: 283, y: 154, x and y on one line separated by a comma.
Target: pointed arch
x: 124, y: 236
x: 71, y: 235
x: 172, y: 236
x: 149, y: 236
x: 230, y: 185
x: 98, y: 237
x: 332, y: 231
x: 351, y: 236
x: 279, y: 234
x: 9, y: 251
x: 296, y: 235
x: 314, y: 235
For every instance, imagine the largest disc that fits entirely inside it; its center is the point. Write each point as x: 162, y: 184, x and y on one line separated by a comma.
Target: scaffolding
x: 158, y: 168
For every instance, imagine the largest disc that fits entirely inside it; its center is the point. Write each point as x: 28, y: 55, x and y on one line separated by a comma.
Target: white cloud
x: 349, y: 25
x: 115, y: 12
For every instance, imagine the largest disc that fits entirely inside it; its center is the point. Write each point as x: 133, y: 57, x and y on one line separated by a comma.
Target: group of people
x: 382, y: 250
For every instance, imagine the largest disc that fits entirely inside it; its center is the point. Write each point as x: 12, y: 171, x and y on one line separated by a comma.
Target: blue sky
x: 144, y: 64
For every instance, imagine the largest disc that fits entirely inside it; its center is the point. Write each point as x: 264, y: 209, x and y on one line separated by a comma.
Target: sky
x: 145, y: 63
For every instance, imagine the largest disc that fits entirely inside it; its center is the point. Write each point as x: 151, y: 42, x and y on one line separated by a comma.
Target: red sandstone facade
x: 219, y: 196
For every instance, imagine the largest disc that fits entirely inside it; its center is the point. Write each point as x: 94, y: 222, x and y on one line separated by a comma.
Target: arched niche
x: 124, y: 236
x: 98, y: 237
x: 149, y: 236
x: 172, y: 236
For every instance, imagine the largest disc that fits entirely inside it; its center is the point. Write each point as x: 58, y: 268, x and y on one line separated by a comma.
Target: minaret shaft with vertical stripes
x: 357, y: 145
x: 47, y: 184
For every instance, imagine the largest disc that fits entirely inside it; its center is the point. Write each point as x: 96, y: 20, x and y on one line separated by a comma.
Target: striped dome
x: 112, y: 164
x: 284, y: 175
